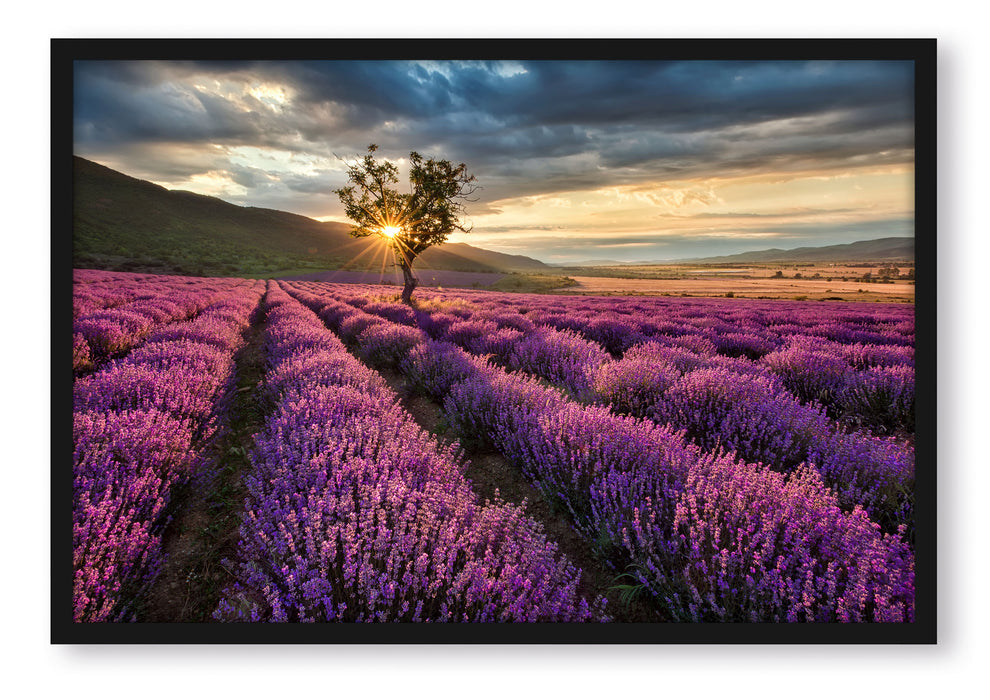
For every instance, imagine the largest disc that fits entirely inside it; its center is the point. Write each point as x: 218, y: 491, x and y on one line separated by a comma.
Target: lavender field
x: 714, y: 460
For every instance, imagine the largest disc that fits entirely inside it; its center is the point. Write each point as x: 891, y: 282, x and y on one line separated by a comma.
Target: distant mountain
x: 499, y: 262
x: 592, y: 263
x: 877, y: 250
x: 123, y: 223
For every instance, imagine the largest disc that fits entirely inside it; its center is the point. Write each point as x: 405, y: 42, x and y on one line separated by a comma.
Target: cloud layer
x: 567, y: 147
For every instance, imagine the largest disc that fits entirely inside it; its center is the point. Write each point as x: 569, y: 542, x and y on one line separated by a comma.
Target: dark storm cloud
x: 526, y: 128
x: 386, y: 90
x: 113, y: 105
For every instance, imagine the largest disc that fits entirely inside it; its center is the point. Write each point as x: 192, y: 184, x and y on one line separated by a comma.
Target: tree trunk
x: 410, y: 280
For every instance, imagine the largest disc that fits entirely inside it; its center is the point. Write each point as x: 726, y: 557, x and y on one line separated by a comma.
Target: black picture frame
x: 64, y: 52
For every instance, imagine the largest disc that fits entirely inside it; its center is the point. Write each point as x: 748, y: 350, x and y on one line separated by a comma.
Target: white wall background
x: 36, y: 669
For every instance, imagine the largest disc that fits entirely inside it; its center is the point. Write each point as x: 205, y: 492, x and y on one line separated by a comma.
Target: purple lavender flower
x: 138, y: 425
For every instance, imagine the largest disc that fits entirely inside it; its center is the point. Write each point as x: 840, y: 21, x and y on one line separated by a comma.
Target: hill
x: 877, y: 250
x: 594, y: 263
x: 123, y: 223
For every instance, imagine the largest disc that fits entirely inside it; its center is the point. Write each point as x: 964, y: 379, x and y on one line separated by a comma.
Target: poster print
x: 599, y: 341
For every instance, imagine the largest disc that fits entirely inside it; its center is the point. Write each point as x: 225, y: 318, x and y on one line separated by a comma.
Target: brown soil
x: 204, y: 531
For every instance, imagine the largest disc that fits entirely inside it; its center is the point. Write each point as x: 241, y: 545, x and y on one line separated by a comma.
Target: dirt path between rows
x: 205, y: 530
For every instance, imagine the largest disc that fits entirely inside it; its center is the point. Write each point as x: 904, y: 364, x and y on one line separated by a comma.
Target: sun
x: 390, y: 231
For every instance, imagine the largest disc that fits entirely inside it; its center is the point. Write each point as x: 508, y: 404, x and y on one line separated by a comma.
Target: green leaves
x: 426, y: 215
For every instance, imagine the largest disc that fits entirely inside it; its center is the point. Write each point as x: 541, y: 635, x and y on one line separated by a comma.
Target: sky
x: 577, y: 160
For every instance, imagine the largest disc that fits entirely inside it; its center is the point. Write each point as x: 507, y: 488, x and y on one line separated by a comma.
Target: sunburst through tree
x: 409, y: 222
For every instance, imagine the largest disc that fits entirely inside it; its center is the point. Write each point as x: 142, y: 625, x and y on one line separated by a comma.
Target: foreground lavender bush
x: 183, y: 390
x: 124, y: 465
x: 388, y: 344
x: 82, y: 358
x: 751, y: 345
x: 748, y: 415
x: 864, y: 356
x: 371, y: 524
x: 435, y: 366
x: 616, y: 336
x: 490, y: 401
x: 710, y: 538
x: 752, y: 545
x: 632, y: 385
x: 680, y: 358
x: 113, y: 330
x: 754, y: 418
x: 882, y: 398
x: 599, y: 466
x: 560, y: 357
x: 874, y: 472
x: 812, y: 376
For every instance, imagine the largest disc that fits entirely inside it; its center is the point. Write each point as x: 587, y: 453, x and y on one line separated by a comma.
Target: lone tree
x: 409, y: 222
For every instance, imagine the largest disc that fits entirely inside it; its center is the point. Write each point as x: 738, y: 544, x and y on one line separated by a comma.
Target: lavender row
x: 878, y: 396
x: 709, y: 537
x: 138, y: 431
x: 561, y: 357
x: 845, y: 323
x: 721, y: 403
x: 738, y: 327
x: 865, y: 334
x: 735, y: 404
x: 865, y: 385
x: 111, y: 331
x: 712, y: 538
x: 94, y: 290
x: 754, y: 416
x: 97, y: 289
x: 355, y: 514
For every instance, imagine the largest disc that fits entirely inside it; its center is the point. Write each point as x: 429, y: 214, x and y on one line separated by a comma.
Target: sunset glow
x: 682, y: 159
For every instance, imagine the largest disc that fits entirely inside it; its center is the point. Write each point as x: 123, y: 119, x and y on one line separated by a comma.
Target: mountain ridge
x: 123, y: 222
x: 890, y: 249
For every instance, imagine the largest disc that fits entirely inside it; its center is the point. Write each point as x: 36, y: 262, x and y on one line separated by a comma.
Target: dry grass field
x: 753, y: 283
x: 833, y: 270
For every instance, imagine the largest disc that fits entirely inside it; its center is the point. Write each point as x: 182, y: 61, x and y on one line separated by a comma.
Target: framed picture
x: 595, y: 341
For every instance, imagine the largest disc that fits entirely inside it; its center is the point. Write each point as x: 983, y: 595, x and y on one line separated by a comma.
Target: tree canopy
x: 411, y: 221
